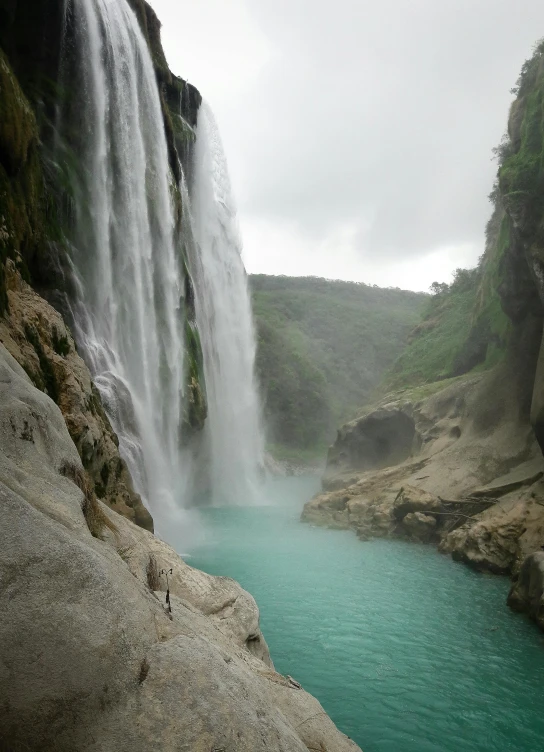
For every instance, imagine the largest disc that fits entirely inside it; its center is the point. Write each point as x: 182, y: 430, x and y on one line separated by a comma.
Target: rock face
x: 472, y: 483
x: 499, y: 538
x: 527, y: 592
x: 477, y: 444
x: 381, y: 438
x: 36, y: 336
x: 90, y: 659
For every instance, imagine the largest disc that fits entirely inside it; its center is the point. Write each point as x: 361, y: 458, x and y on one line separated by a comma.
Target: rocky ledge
x: 35, y: 334
x: 95, y: 661
x: 459, y: 468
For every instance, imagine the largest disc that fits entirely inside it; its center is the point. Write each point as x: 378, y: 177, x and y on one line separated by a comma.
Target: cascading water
x: 223, y: 311
x: 129, y: 314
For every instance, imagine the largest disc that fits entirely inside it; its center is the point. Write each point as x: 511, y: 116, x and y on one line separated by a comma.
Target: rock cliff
x: 454, y: 463
x: 35, y: 217
x: 92, y: 660
x: 466, y: 454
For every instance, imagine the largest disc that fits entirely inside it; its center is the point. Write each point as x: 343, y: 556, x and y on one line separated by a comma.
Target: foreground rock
x: 36, y: 336
x: 90, y: 659
x: 527, y: 592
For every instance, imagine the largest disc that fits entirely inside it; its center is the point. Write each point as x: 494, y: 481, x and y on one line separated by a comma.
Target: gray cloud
x: 378, y: 115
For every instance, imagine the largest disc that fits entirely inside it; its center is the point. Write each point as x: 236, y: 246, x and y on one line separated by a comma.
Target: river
x: 406, y: 650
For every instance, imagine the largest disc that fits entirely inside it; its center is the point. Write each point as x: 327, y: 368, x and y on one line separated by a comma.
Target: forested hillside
x: 323, y: 346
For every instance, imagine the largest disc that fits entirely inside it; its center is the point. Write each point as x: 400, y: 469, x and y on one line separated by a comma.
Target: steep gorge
x: 470, y: 478
x: 91, y: 658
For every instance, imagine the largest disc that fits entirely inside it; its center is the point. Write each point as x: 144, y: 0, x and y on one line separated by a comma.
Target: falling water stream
x: 129, y: 316
x: 234, y: 443
x: 129, y: 270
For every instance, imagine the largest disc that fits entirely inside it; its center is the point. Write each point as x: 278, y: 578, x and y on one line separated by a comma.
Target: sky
x: 359, y: 134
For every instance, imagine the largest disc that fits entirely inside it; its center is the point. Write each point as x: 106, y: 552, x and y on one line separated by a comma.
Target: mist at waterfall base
x: 128, y: 266
x: 233, y: 438
x: 405, y: 649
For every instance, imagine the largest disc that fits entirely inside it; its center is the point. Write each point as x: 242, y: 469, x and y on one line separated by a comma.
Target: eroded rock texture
x: 37, y: 337
x: 91, y: 660
x: 472, y: 482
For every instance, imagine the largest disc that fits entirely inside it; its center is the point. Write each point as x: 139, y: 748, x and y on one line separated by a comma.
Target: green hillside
x: 323, y: 346
x: 463, y: 327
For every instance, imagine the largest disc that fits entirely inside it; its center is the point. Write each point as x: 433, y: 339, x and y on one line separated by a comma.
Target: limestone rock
x: 412, y: 500
x: 420, y: 526
x: 37, y: 337
x: 527, y: 592
x: 380, y: 438
x: 89, y: 658
x: 328, y: 510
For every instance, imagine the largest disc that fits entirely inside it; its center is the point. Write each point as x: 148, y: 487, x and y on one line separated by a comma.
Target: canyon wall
x: 451, y: 452
x: 92, y: 657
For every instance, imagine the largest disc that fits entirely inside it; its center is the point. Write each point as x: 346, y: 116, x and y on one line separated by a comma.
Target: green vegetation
x: 195, y: 405
x: 463, y: 327
x: 322, y: 348
x: 45, y: 380
x: 521, y: 155
x: 60, y: 343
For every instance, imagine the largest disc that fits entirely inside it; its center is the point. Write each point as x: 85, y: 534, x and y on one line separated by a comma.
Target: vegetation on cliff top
x: 463, y: 328
x: 322, y: 348
x: 465, y: 325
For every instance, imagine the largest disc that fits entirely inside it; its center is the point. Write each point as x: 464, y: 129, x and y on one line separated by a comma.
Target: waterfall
x: 129, y: 312
x: 224, y: 319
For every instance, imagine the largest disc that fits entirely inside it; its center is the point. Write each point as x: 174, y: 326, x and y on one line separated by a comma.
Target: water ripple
x: 406, y: 650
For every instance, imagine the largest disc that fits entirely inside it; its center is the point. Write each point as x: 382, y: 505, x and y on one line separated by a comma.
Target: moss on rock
x: 21, y: 181
x: 196, y: 407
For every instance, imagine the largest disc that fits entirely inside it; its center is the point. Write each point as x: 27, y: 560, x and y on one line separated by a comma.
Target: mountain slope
x: 322, y: 348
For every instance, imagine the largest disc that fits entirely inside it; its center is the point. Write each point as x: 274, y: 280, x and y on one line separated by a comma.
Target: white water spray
x: 223, y: 311
x: 129, y: 314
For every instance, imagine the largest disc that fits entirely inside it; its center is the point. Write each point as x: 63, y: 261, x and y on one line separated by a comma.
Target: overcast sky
x: 358, y: 134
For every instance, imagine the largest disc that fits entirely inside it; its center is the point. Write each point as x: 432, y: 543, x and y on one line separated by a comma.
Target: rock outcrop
x: 91, y: 659
x: 472, y: 482
x: 527, y: 592
x: 37, y: 337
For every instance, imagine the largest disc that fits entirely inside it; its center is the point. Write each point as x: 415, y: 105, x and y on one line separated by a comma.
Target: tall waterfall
x: 128, y: 267
x: 129, y: 313
x: 225, y: 322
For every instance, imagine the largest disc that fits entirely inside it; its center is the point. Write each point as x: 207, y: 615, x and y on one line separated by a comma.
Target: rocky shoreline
x: 447, y: 489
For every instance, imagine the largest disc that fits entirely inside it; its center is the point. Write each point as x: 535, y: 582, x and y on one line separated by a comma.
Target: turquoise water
x: 406, y: 650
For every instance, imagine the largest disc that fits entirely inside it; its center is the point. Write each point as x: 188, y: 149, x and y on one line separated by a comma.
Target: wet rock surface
x: 527, y: 592
x: 36, y: 336
x: 91, y: 659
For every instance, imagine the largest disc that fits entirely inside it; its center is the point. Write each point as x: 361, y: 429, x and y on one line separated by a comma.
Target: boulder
x: 412, y: 500
x: 527, y: 591
x: 90, y: 659
x: 500, y: 538
x: 420, y: 526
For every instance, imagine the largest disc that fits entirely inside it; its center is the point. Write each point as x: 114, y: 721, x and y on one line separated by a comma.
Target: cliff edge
x: 95, y: 660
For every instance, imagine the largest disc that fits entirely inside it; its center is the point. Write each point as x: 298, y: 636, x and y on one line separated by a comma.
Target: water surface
x: 405, y: 649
